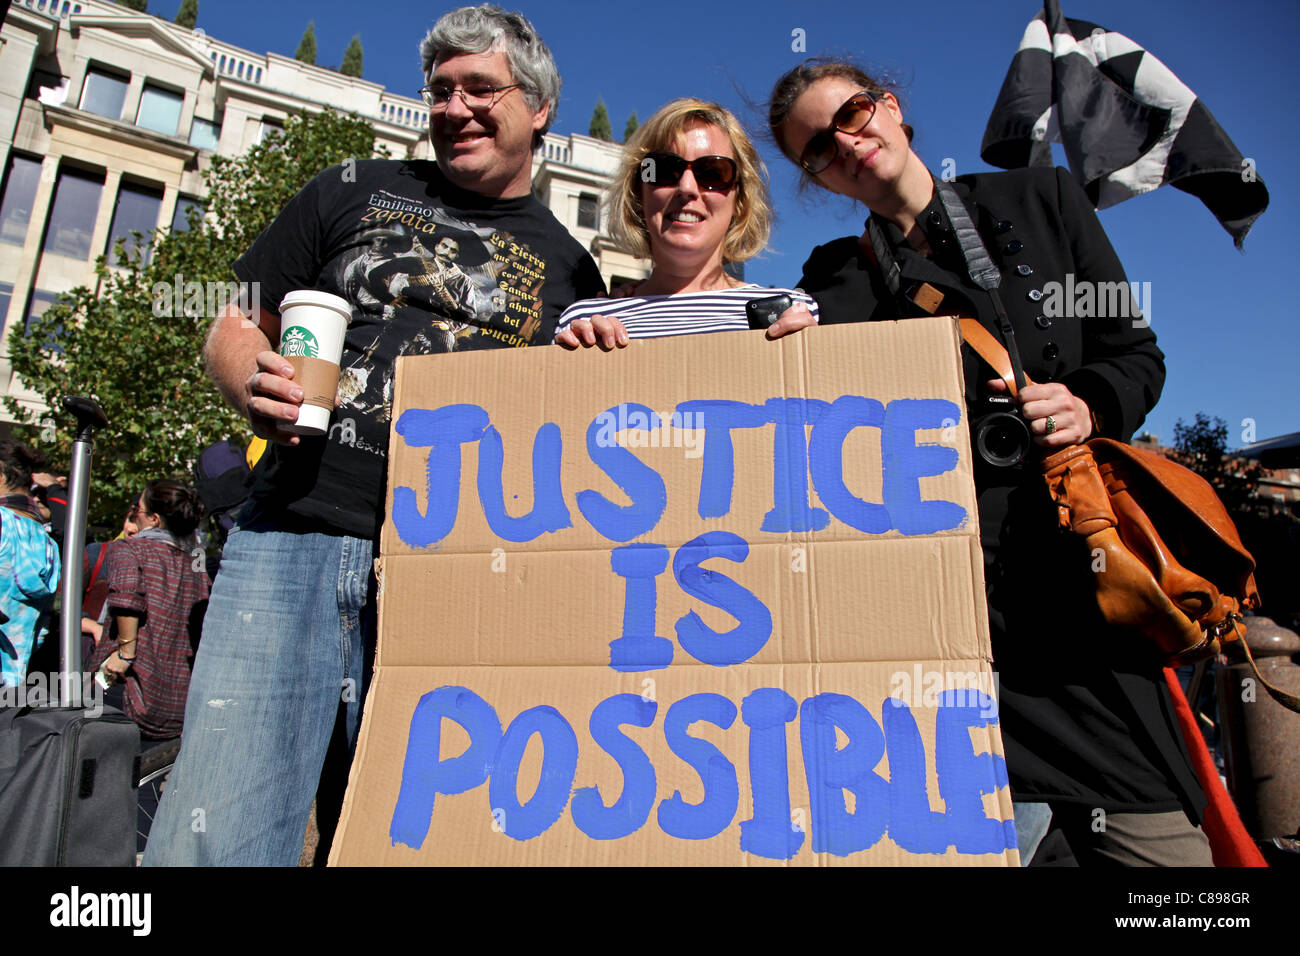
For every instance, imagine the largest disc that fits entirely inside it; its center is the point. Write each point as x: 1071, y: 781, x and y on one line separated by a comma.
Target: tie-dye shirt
x: 29, y: 579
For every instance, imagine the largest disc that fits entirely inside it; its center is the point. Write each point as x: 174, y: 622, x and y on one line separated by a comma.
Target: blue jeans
x: 1032, y: 823
x: 284, y: 644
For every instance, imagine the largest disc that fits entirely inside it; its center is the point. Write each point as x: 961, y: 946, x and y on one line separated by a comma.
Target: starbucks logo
x: 298, y: 341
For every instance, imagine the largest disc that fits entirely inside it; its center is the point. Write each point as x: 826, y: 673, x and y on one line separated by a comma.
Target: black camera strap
x: 979, y: 265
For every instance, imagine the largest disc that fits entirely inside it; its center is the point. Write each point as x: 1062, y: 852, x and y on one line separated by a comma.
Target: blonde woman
x: 691, y: 194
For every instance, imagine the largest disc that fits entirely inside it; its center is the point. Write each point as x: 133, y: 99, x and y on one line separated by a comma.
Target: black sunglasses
x: 713, y: 173
x: 852, y: 117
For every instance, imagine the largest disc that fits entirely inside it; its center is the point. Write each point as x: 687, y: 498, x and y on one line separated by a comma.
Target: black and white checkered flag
x: 1128, y: 125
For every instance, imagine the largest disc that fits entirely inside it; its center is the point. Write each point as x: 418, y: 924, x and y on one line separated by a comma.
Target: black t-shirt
x: 427, y: 267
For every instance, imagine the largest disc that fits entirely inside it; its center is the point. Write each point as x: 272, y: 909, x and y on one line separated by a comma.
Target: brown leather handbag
x: 1168, y: 561
x: 1145, y: 520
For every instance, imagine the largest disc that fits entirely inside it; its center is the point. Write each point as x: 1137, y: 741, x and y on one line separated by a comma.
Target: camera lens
x: 1002, y: 439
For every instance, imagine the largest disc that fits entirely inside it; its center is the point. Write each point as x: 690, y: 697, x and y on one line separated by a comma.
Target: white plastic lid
x: 326, y: 300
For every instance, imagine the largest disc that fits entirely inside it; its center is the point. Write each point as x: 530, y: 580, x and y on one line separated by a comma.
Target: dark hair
x: 796, y: 82
x: 176, y: 503
x: 17, y: 462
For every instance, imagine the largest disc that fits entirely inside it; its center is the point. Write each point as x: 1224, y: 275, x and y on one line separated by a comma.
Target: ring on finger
x: 1051, y: 424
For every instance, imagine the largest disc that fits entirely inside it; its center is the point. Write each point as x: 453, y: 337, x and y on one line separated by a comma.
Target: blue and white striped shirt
x: 686, y: 313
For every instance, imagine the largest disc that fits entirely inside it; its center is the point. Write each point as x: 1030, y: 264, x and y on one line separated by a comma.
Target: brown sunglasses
x: 852, y: 117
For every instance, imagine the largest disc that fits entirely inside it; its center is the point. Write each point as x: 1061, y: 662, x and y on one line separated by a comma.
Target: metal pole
x: 74, y: 545
x: 89, y: 417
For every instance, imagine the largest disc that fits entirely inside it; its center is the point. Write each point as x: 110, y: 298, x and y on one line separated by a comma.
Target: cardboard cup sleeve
x: 318, y: 378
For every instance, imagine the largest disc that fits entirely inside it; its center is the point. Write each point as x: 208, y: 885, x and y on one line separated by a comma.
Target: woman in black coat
x: 1086, y: 719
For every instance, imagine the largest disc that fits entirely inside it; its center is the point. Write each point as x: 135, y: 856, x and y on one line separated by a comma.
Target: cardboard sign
x: 704, y: 600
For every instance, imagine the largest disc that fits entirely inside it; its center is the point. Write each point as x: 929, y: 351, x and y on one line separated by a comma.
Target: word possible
x: 798, y: 455
x: 898, y: 805
x: 75, y: 908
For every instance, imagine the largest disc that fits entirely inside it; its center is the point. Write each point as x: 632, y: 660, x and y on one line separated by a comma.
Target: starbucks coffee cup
x: 312, y: 326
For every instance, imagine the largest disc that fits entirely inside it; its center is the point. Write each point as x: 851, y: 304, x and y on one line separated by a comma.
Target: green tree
x: 600, y: 128
x: 351, y: 65
x: 135, y: 346
x: 630, y: 128
x: 188, y: 14
x: 140, y: 6
x: 1203, y: 447
x: 306, y: 51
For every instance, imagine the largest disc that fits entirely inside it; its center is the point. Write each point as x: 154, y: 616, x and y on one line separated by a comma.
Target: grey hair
x: 488, y: 27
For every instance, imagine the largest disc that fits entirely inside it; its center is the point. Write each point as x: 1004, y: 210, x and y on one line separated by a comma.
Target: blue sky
x: 1221, y: 316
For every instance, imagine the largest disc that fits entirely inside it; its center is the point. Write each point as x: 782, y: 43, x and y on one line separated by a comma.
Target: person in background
x: 51, y: 491
x: 29, y: 563
x: 95, y: 567
x: 157, y: 593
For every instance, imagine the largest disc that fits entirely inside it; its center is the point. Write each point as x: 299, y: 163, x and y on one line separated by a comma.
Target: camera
x: 999, y: 432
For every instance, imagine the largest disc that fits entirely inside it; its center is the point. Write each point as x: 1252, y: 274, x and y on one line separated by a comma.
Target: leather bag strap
x: 992, y: 351
x: 1289, y: 701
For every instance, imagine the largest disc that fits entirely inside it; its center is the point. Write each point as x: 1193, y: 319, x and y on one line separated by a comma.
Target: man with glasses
x: 290, y: 628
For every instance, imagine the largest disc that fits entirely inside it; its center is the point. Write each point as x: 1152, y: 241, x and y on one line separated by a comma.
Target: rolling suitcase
x: 68, y: 772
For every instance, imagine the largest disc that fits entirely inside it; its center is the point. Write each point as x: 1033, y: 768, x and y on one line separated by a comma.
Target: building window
x: 21, y: 179
x: 39, y: 302
x: 204, y: 134
x: 104, y: 93
x: 181, y: 218
x: 160, y: 110
x: 588, y: 211
x: 136, y: 210
x: 270, y: 129
x: 72, y: 214
x: 6, y: 294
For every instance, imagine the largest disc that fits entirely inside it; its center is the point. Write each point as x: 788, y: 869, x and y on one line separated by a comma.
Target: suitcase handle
x: 89, y: 417
x: 88, y: 414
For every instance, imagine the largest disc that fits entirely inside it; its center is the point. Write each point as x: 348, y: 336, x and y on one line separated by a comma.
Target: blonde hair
x: 752, y: 223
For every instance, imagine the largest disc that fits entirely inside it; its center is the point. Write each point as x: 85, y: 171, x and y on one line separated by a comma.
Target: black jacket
x: 1085, y: 716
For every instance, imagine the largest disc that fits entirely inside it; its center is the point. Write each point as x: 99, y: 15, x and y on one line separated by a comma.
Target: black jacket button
x: 1003, y: 225
x: 1034, y: 295
x: 1012, y: 247
x: 1042, y: 321
x: 1025, y: 269
x: 1051, y: 351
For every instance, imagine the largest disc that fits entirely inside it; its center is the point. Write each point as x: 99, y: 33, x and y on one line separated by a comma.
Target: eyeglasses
x: 852, y: 117
x: 712, y: 173
x: 438, y: 98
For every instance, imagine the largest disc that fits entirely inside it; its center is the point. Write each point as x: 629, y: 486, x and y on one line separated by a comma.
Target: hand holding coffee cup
x: 312, y: 327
